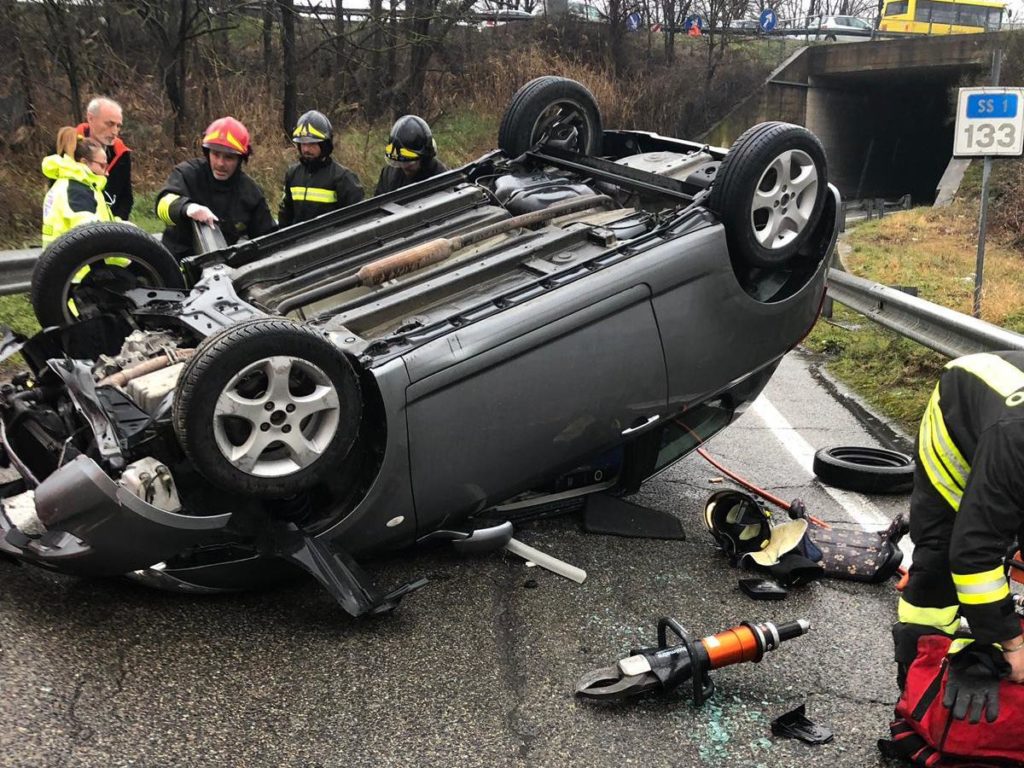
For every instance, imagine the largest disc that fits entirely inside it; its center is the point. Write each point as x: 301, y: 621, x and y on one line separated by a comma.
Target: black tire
x: 865, y: 470
x: 208, y: 435
x: 551, y: 109
x: 60, y: 295
x: 753, y: 164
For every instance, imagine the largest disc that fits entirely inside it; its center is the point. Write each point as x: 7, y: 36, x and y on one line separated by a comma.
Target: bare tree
x: 674, y: 13
x: 171, y: 26
x: 268, y: 14
x: 616, y: 34
x: 288, y: 110
x: 426, y: 26
x: 10, y: 10
x: 63, y: 44
x: 373, y: 101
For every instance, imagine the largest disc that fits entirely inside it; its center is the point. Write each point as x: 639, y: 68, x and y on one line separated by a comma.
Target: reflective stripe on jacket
x: 75, y: 198
x: 238, y: 203
x: 314, y: 189
x: 969, y: 489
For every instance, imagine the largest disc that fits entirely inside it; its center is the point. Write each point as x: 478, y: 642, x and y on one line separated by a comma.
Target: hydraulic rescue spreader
x: 668, y: 666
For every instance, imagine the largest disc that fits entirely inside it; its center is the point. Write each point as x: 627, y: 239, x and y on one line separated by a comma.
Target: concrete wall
x: 782, y: 97
x: 883, y: 110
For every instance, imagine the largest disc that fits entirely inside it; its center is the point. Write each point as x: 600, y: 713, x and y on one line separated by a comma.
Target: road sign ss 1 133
x: 989, y: 121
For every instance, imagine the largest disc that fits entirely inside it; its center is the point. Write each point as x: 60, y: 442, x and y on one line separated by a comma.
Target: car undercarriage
x: 579, y: 303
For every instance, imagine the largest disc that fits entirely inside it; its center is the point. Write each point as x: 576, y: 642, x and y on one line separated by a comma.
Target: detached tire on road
x: 555, y: 110
x: 864, y: 469
x: 267, y: 408
x: 769, y: 193
x: 83, y: 272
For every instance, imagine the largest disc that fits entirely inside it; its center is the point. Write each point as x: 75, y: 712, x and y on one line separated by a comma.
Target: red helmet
x: 226, y: 134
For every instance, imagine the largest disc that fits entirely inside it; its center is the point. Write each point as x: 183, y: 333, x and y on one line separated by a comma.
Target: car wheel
x: 85, y: 272
x: 551, y: 110
x: 830, y: 38
x: 769, y: 193
x: 267, y: 408
x: 864, y: 469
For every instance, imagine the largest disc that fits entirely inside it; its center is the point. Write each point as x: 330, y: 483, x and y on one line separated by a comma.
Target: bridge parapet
x: 882, y: 109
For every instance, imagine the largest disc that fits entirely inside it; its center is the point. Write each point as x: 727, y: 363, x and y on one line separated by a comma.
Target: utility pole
x: 997, y: 60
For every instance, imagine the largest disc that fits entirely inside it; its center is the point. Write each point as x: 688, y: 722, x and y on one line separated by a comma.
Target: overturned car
x: 580, y: 303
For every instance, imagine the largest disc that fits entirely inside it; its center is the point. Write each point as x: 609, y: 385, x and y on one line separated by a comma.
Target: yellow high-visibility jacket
x: 75, y: 198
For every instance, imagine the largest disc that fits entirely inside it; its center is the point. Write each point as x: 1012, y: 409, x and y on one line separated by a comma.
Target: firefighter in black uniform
x: 411, y: 153
x: 966, y: 511
x: 317, y: 183
x: 214, y: 190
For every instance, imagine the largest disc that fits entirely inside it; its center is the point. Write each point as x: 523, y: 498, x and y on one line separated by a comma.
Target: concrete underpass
x: 884, y: 110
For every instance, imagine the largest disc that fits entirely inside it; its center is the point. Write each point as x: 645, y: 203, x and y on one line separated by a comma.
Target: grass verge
x: 933, y: 250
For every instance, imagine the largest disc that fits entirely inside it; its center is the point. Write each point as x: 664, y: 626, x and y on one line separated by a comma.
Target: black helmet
x: 410, y: 139
x: 739, y: 524
x: 314, y: 128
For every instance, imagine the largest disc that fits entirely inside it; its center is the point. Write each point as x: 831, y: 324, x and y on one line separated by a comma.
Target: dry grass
x: 936, y: 251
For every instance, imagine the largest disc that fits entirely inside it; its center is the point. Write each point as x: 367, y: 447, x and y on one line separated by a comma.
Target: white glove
x: 201, y: 213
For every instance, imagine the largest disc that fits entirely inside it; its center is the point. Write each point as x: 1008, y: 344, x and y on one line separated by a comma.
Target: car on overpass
x: 579, y: 303
x: 830, y: 29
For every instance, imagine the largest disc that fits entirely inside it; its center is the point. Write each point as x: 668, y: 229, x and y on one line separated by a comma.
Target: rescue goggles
x: 401, y: 154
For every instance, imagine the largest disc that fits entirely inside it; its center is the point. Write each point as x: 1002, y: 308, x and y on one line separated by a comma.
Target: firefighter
x: 966, y: 510
x: 412, y: 155
x: 215, y: 190
x: 79, y: 173
x: 103, y: 121
x: 317, y: 183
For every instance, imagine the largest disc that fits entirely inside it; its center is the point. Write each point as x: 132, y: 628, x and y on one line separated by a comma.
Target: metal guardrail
x: 873, y: 208
x: 16, y: 270
x: 939, y: 328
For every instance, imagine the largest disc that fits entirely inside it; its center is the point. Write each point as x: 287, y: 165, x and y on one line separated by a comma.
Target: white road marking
x: 857, y: 506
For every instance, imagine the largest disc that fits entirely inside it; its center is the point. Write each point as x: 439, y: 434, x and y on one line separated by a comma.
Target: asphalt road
x: 478, y: 668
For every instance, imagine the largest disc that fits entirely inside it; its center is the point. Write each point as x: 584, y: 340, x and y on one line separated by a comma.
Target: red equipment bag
x: 925, y: 733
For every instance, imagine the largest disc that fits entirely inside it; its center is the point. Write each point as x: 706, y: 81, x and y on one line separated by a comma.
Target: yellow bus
x: 941, y: 17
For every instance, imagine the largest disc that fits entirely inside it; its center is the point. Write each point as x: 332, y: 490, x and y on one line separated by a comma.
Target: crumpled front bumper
x: 95, y: 527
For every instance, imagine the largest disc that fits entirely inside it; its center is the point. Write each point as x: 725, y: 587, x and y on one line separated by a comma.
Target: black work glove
x: 973, y: 683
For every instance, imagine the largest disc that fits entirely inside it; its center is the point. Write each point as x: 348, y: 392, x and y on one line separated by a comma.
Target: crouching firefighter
x: 966, y: 511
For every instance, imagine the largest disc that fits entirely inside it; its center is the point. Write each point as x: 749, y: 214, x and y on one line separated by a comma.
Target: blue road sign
x: 768, y: 20
x: 633, y: 21
x: 992, y: 105
x: 693, y: 21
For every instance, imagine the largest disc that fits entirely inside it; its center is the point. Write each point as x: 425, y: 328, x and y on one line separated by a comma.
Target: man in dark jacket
x: 317, y: 183
x: 103, y: 121
x: 214, y: 190
x: 966, y: 511
x: 411, y: 153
